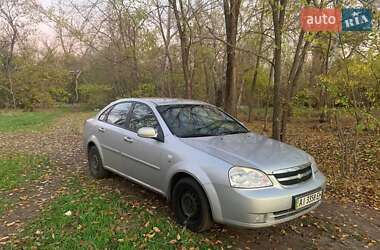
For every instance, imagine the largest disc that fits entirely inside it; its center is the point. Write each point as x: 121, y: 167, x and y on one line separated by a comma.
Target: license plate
x: 307, y: 199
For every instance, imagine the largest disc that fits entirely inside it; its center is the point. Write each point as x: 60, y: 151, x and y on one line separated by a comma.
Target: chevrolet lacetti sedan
x: 205, y: 162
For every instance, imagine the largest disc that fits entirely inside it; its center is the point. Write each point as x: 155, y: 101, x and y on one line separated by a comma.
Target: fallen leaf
x: 4, y: 238
x: 11, y: 224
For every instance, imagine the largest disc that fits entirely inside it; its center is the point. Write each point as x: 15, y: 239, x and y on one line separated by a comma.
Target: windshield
x: 199, y: 120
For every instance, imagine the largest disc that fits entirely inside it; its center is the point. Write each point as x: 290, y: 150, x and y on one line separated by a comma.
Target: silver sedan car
x: 207, y: 164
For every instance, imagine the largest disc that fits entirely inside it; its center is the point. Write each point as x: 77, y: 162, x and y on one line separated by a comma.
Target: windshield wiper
x: 196, y: 135
x: 235, y: 132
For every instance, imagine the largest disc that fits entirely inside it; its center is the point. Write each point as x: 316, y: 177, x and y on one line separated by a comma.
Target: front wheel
x: 191, y: 206
x: 95, y: 164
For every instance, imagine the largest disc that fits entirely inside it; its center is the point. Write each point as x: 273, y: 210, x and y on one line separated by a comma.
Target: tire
x: 191, y: 206
x: 95, y: 164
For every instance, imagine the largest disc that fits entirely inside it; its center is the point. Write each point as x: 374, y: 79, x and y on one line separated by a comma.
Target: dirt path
x: 63, y: 145
x: 332, y: 226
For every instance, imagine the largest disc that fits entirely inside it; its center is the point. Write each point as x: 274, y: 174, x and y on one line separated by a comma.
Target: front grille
x: 294, y: 175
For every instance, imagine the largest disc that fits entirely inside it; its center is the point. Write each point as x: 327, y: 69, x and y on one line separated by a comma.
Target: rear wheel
x: 191, y: 206
x: 95, y: 164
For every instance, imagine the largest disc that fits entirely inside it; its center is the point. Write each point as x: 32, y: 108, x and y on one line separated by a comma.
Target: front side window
x: 142, y: 116
x: 119, y: 114
x: 199, y: 120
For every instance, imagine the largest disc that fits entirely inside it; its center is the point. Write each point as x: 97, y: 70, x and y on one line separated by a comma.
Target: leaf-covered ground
x: 64, y: 208
x: 322, y: 143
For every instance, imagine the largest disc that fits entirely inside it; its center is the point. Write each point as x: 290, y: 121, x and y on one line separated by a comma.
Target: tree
x: 278, y: 15
x: 10, y: 13
x: 165, y: 29
x: 294, y: 74
x: 258, y: 59
x: 184, y: 30
x: 231, y: 15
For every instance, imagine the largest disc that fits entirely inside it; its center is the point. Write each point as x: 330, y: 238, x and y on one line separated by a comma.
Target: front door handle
x: 101, y: 130
x: 128, y: 139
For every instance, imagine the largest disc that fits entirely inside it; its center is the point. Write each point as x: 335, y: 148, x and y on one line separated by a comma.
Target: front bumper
x: 254, y: 208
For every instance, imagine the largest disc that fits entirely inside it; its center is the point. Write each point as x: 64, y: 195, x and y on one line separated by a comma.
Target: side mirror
x: 147, y: 133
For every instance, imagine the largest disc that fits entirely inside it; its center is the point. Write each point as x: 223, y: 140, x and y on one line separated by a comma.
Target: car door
x: 110, y: 134
x: 146, y: 154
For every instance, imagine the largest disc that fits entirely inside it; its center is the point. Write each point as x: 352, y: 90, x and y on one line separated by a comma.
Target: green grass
x: 16, y: 170
x: 4, y: 205
x: 105, y: 220
x: 13, y: 121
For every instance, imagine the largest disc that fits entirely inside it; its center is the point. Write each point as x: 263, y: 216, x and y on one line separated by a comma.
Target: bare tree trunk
x: 257, y: 64
x: 182, y: 26
x: 240, y: 95
x: 231, y: 14
x: 207, y: 79
x: 166, y: 37
x: 250, y: 107
x: 11, y: 88
x: 355, y: 104
x: 278, y: 13
x: 218, y: 93
x: 75, y: 85
x: 323, y: 94
x: 77, y: 75
x: 170, y: 84
x: 135, y: 71
x: 265, y: 128
x: 298, y: 60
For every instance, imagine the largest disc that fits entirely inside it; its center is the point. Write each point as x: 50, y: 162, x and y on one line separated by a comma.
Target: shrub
x: 31, y: 98
x: 95, y: 95
x: 145, y: 90
x: 305, y: 98
x: 60, y: 94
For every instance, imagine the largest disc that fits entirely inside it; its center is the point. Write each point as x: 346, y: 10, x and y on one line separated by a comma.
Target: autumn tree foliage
x: 248, y: 57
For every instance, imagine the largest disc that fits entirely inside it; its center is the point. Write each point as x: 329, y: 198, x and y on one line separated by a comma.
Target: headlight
x: 313, y: 164
x: 241, y: 177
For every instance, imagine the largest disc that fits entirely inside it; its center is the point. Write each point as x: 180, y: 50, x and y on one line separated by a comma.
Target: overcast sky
x: 45, y: 33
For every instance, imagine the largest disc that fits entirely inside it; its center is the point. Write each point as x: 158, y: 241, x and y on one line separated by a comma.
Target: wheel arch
x: 90, y: 144
x: 93, y: 142
x: 207, y: 188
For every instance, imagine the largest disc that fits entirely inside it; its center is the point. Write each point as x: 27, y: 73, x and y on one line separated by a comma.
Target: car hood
x: 250, y: 150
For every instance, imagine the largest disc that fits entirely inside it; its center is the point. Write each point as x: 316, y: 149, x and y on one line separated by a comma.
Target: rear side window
x: 119, y: 114
x: 142, y: 116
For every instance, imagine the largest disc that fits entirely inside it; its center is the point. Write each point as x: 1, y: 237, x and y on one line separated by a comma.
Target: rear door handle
x: 128, y: 139
x: 101, y: 130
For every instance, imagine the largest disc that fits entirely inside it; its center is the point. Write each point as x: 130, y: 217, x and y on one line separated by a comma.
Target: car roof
x: 165, y: 101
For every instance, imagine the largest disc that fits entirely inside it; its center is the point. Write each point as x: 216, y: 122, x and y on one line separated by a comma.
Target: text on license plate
x: 306, y: 200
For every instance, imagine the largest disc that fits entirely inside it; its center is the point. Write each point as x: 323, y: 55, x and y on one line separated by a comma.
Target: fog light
x: 257, y: 218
